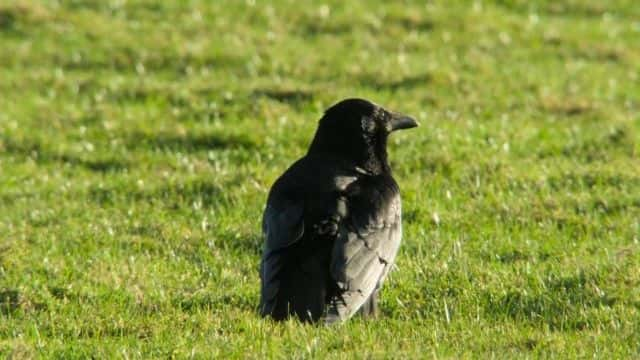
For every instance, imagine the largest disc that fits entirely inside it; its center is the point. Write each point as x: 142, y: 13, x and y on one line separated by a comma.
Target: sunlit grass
x: 138, y: 140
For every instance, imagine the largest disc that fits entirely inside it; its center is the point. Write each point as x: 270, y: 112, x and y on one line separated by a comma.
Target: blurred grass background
x: 138, y: 140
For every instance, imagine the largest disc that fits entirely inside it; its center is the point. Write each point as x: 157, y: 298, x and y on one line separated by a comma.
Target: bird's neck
x: 370, y: 157
x: 375, y: 159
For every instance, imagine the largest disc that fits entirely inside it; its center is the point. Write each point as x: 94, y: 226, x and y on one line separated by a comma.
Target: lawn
x: 138, y: 140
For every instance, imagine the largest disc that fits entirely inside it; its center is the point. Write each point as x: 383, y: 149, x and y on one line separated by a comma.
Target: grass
x: 138, y: 140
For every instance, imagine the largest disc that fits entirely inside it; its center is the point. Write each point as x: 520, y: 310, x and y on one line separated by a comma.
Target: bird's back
x: 330, y: 233
x: 297, y: 255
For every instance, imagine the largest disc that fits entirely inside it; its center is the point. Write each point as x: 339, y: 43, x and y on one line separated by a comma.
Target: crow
x: 332, y: 222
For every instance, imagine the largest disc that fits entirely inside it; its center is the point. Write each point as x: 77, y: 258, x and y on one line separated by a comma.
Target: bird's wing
x: 365, y: 247
x: 282, y: 225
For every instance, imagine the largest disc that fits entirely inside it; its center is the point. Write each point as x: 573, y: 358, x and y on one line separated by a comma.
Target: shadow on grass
x: 311, y: 26
x: 97, y: 165
x: 620, y: 141
x: 41, y: 155
x: 515, y: 256
x: 295, y: 98
x: 577, y: 180
x: 407, y: 82
x: 8, y: 17
x: 570, y: 8
x: 561, y: 304
x: 16, y: 17
x: 209, y: 301
x: 9, y: 301
x: 188, y: 142
x: 126, y: 59
x: 171, y: 196
x: 412, y: 22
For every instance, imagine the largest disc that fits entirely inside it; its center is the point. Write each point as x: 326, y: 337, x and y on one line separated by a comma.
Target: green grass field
x: 138, y: 140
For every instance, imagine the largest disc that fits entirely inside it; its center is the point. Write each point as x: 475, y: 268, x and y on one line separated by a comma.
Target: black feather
x: 333, y: 220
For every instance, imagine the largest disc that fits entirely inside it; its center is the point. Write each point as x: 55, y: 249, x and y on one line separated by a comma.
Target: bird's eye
x: 368, y: 125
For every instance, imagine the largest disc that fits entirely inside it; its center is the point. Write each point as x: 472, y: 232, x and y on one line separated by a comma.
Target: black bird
x: 332, y: 223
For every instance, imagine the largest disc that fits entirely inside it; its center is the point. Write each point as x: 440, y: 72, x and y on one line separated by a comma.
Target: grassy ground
x: 138, y: 140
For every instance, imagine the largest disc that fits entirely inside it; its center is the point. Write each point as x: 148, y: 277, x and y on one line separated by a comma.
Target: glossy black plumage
x: 332, y: 223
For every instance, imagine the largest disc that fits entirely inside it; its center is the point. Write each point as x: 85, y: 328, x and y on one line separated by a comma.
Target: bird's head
x: 356, y: 131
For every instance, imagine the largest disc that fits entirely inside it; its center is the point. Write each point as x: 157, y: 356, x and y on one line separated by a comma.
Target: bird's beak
x: 401, y: 121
